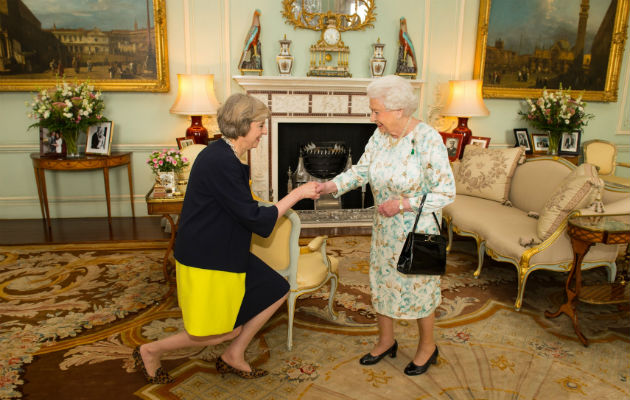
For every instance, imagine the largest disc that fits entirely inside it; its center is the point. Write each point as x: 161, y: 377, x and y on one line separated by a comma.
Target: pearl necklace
x: 393, y: 143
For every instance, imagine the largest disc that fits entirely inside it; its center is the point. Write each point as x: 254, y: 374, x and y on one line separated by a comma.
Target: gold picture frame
x: 494, y: 88
x: 138, y: 64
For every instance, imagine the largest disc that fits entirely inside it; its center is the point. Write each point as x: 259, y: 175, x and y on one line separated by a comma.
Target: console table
x: 87, y: 162
x: 584, y: 232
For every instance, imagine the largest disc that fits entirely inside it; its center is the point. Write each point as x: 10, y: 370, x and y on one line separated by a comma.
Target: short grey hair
x: 238, y: 112
x: 395, y: 92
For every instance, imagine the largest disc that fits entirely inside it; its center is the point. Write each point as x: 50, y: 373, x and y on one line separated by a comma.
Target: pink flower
x: 59, y: 105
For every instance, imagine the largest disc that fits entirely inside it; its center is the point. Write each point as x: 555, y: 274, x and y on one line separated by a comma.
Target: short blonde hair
x: 238, y: 112
x: 395, y: 92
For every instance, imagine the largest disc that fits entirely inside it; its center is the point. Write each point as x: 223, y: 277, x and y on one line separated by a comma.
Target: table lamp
x: 464, y: 101
x: 195, y: 97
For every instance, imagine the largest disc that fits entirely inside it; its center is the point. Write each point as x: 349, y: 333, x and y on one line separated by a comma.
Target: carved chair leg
x: 290, y: 311
x: 481, y: 252
x: 331, y: 298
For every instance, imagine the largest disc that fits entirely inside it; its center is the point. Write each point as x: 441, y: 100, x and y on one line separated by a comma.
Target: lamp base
x: 462, y: 128
x: 197, y: 131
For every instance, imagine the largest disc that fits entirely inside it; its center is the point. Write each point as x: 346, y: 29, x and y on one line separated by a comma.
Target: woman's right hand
x: 327, y: 187
x: 310, y: 190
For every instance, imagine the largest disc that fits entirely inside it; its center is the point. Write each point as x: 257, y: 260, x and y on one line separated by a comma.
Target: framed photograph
x: 453, y: 143
x: 99, y: 138
x: 479, y: 141
x: 540, y: 143
x: 522, y: 139
x: 51, y: 143
x: 183, y: 142
x: 118, y: 45
x: 572, y: 45
x: 570, y: 143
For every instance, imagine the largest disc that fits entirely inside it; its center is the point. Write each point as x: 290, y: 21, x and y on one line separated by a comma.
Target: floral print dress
x: 415, y: 165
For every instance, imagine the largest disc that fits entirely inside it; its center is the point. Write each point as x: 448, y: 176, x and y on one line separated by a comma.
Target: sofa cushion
x: 488, y: 219
x: 578, y: 190
x: 528, y: 192
x: 487, y: 173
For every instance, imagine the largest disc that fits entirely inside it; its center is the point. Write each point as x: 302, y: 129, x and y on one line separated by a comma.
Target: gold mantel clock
x: 329, y: 56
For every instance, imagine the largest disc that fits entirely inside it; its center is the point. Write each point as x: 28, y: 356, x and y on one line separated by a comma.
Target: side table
x: 165, y: 206
x: 584, y: 232
x: 87, y: 162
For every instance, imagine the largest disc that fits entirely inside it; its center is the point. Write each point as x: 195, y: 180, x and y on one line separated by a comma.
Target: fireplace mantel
x: 269, y: 83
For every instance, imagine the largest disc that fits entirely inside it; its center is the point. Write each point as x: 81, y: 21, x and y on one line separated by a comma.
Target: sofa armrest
x: 616, y: 207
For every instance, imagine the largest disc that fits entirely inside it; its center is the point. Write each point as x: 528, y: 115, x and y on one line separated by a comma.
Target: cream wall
x: 206, y: 36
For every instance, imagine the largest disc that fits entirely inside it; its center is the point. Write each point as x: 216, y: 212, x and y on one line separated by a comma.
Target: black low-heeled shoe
x: 413, y: 369
x: 369, y: 359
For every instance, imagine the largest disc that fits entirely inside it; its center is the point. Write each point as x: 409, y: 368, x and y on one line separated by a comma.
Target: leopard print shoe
x: 223, y: 368
x: 160, y: 377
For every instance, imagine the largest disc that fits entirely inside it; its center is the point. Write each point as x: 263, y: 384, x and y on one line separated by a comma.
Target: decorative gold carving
x: 297, y: 14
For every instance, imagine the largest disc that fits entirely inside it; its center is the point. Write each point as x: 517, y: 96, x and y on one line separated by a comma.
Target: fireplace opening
x: 322, y: 145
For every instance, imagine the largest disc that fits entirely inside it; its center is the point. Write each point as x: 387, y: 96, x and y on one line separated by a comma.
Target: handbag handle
x: 415, y: 224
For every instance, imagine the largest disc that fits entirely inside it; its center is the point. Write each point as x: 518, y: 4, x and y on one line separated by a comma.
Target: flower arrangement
x: 556, y: 112
x: 68, y: 109
x: 166, y: 160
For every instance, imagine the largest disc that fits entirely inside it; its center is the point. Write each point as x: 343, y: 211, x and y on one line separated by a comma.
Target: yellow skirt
x: 210, y: 300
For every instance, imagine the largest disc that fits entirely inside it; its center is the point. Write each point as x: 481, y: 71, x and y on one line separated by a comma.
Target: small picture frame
x: 183, y: 142
x: 541, y: 143
x: 522, y: 139
x: 453, y: 143
x: 99, y: 138
x: 479, y: 141
x: 51, y: 144
x: 570, y: 143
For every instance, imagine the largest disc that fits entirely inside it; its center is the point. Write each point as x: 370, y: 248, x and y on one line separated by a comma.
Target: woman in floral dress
x: 403, y: 160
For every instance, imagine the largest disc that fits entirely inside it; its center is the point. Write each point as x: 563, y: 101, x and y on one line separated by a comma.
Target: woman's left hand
x: 389, y: 208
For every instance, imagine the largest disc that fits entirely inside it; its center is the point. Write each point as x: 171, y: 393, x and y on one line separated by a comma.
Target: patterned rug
x: 70, y: 316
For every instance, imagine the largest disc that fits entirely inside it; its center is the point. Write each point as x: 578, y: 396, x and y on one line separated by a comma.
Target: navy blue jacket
x: 219, y: 213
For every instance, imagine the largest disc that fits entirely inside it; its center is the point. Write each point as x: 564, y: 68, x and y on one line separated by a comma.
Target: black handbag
x: 423, y: 254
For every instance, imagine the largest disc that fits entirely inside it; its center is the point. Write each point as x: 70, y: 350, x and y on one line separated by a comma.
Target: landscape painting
x: 118, y: 45
x: 525, y: 46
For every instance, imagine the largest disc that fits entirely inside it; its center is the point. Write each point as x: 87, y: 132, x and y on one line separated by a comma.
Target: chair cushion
x: 311, y: 270
x: 579, y: 189
x: 487, y: 173
x: 274, y: 249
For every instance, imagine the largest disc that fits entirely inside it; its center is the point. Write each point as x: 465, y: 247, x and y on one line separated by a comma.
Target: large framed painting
x: 525, y: 46
x: 118, y: 45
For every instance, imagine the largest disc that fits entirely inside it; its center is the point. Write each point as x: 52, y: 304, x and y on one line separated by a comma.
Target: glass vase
x: 71, y: 137
x: 554, y: 142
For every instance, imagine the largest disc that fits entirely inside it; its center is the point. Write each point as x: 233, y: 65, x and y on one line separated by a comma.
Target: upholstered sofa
x: 517, y: 210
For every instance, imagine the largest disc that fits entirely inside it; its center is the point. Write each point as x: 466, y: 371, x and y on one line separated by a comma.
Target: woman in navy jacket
x: 224, y: 291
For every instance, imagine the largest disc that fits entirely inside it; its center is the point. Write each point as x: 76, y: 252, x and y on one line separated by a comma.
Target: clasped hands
x: 313, y: 190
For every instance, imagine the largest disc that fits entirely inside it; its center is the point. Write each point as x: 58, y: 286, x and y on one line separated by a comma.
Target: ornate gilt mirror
x: 351, y: 15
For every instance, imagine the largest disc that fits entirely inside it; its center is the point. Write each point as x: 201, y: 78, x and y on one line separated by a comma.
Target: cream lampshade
x: 195, y: 97
x: 464, y: 101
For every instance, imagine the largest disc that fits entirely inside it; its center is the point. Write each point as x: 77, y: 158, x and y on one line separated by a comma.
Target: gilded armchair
x: 307, y: 268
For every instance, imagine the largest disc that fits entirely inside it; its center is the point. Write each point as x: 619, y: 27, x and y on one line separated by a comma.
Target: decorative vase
x: 554, y: 142
x: 167, y: 179
x: 378, y: 62
x: 71, y: 137
x: 284, y: 59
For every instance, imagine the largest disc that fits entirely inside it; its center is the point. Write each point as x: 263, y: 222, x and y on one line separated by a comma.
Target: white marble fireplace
x: 301, y: 100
